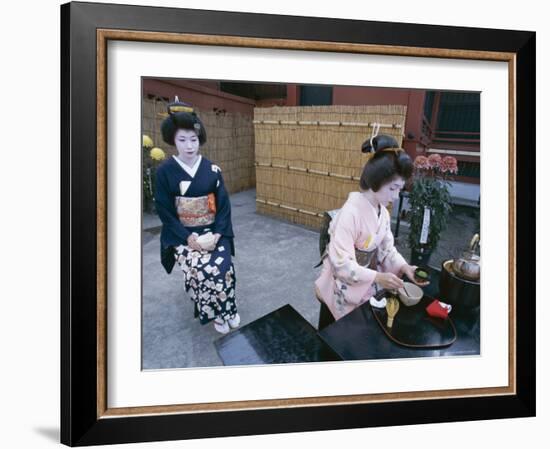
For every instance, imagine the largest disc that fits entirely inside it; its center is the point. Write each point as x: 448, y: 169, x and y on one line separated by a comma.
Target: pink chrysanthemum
x: 434, y: 161
x: 421, y: 162
x: 449, y: 164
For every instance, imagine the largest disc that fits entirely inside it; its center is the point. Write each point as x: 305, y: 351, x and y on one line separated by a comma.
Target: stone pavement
x: 274, y: 266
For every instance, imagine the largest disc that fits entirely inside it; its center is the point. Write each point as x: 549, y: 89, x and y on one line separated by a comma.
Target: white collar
x: 192, y: 171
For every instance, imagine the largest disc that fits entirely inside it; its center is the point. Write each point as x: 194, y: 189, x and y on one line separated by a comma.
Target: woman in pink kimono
x: 360, y: 256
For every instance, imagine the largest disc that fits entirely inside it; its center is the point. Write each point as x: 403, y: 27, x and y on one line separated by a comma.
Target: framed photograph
x: 162, y: 339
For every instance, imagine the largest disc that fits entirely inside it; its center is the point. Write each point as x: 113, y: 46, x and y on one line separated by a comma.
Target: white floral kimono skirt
x: 209, y: 280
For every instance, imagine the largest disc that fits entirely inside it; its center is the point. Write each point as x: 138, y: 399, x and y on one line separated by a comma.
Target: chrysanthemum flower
x: 147, y: 142
x: 434, y: 161
x: 421, y: 162
x: 157, y: 154
x: 449, y: 164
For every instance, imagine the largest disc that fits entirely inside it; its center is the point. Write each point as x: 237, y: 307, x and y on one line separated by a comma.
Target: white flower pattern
x: 209, y: 281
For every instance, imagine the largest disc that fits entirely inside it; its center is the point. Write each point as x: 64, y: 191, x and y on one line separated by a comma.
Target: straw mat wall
x: 309, y: 158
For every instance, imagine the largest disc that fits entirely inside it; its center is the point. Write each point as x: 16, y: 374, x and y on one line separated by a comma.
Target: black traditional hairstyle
x: 181, y: 116
x: 388, y: 162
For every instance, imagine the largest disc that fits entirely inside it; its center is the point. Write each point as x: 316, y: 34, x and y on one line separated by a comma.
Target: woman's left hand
x: 212, y: 247
x: 408, y: 270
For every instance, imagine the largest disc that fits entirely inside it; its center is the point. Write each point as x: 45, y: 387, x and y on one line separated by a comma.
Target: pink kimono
x: 356, y: 233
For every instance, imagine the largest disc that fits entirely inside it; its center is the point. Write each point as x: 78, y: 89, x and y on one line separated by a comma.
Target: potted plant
x: 430, y: 202
x: 151, y: 157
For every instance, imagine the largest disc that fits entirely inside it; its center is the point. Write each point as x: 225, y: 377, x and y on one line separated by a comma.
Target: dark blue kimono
x: 209, y: 275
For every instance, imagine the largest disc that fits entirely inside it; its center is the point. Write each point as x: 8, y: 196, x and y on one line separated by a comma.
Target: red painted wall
x: 204, y: 95
x: 368, y: 96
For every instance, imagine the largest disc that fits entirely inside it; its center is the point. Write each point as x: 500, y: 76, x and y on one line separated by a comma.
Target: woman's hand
x: 192, y: 242
x: 389, y: 281
x: 212, y: 246
x: 408, y: 270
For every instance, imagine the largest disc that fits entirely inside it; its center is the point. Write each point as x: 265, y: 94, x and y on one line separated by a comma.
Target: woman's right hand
x: 192, y: 242
x: 389, y: 281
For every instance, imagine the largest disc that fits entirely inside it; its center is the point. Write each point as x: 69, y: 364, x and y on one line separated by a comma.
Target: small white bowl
x: 414, y: 291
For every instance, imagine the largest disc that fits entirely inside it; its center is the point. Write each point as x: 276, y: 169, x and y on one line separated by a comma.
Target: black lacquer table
x: 282, y: 336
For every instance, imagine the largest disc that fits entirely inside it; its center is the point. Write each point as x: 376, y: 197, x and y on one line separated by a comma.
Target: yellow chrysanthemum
x: 147, y: 142
x: 157, y: 154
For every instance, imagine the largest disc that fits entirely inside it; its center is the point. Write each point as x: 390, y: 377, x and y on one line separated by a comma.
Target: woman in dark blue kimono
x: 193, y: 205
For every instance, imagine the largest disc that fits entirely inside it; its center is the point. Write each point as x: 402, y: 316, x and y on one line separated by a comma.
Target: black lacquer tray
x: 414, y: 328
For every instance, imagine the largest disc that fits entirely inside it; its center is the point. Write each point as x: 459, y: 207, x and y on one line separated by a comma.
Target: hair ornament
x: 178, y: 106
x: 380, y: 142
x: 375, y: 130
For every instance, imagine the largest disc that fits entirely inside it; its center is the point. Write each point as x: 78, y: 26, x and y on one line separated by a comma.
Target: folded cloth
x: 438, y: 309
x: 378, y: 304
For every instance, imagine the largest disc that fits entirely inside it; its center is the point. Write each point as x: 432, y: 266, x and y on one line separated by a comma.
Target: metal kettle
x: 469, y: 265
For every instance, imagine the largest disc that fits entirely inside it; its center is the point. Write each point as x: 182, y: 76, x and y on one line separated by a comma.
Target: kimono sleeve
x: 222, y: 221
x: 388, y: 257
x: 341, y: 251
x: 166, y: 208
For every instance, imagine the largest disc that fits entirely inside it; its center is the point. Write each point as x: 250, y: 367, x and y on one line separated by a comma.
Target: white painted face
x: 187, y: 144
x: 389, y: 192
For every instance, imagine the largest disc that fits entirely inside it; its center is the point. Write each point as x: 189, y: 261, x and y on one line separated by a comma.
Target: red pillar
x: 292, y: 92
x: 413, y: 140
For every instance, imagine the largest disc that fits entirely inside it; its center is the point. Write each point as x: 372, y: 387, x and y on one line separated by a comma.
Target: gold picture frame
x: 86, y: 418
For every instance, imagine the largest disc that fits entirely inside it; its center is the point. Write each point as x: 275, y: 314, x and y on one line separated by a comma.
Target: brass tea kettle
x: 469, y: 265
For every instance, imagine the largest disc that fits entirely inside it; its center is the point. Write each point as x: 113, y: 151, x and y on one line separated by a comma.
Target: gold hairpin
x: 180, y: 109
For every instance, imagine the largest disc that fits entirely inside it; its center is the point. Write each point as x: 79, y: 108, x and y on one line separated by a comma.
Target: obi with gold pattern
x: 196, y: 211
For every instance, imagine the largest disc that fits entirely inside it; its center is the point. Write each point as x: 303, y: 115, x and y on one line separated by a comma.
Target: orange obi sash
x: 198, y: 211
